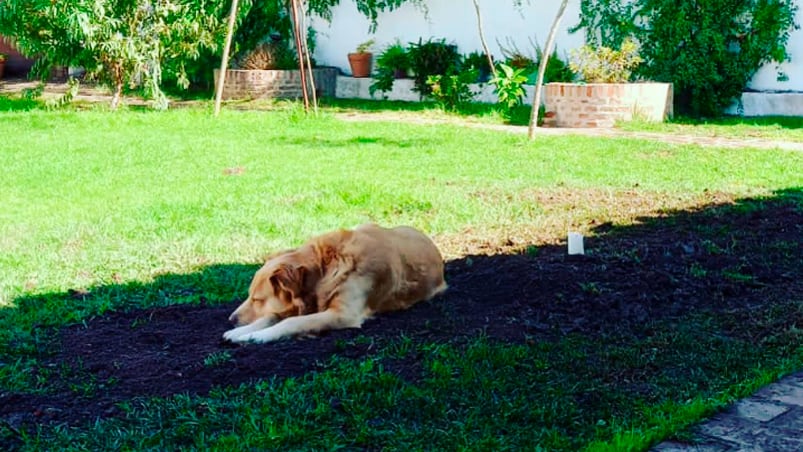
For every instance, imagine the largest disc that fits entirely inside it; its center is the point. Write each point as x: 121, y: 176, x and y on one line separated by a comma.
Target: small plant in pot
x: 360, y: 60
x: 393, y: 63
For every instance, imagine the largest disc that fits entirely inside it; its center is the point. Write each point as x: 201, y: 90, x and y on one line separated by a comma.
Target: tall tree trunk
x: 119, y: 82
x: 224, y: 60
x: 550, y: 40
x: 482, y: 39
x: 118, y: 94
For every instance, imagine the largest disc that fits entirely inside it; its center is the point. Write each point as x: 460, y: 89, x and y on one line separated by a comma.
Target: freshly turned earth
x: 630, y: 277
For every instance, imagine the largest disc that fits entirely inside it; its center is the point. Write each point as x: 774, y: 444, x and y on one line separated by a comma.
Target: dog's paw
x: 258, y: 337
x: 244, y: 339
x: 232, y: 335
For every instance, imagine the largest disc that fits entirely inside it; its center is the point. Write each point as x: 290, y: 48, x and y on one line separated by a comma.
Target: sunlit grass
x: 95, y: 198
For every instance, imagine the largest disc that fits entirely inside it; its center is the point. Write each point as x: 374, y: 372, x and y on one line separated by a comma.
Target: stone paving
x: 768, y: 421
x: 674, y: 138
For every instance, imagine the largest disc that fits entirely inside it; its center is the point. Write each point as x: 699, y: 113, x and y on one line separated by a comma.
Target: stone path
x: 770, y: 420
x: 725, y: 142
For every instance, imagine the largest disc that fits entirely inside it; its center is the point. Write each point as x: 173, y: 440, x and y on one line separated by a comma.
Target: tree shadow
x: 679, y: 301
x: 783, y: 122
x: 18, y: 103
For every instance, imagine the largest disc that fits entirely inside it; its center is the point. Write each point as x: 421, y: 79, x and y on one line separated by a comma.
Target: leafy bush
x: 452, y: 90
x: 152, y: 44
x: 478, y: 61
x: 557, y: 69
x: 273, y: 54
x: 509, y: 87
x: 432, y: 58
x: 605, y: 65
x: 709, y: 50
x: 392, y: 63
x: 122, y: 43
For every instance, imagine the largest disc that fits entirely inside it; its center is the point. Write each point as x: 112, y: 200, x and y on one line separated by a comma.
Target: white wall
x: 765, y: 78
x: 455, y: 20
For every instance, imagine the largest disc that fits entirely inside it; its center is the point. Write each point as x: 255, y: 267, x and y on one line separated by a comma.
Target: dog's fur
x: 338, y: 280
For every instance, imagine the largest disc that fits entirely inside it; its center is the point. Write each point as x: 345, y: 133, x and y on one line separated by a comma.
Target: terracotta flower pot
x: 360, y: 64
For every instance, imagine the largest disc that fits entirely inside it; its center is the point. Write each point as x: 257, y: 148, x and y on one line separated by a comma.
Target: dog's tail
x: 438, y: 290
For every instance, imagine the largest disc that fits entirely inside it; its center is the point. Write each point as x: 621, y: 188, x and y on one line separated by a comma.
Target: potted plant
x: 607, y: 94
x: 394, y: 59
x: 360, y: 60
x: 393, y: 63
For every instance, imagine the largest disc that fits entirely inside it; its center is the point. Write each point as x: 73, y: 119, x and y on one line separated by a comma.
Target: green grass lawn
x: 95, y: 198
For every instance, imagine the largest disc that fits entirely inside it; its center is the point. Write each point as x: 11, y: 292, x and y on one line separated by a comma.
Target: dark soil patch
x: 725, y: 261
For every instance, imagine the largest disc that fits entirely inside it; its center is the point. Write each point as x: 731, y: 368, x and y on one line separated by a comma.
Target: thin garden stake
x: 224, y: 60
x: 309, y: 64
x: 550, y: 40
x: 300, y: 52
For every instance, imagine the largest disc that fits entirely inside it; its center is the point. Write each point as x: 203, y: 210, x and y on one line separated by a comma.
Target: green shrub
x: 509, y: 87
x: 606, y: 65
x: 709, y: 50
x: 557, y: 69
x: 434, y: 57
x: 478, y: 61
x: 452, y: 90
x: 392, y: 63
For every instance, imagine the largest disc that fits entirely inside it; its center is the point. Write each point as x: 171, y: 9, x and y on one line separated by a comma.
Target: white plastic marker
x: 576, y: 243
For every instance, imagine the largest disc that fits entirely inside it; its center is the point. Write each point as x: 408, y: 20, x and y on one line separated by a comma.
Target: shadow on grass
x: 784, y: 122
x: 16, y: 103
x: 693, y: 305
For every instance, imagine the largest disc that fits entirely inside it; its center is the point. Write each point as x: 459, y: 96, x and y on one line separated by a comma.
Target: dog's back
x: 404, y: 265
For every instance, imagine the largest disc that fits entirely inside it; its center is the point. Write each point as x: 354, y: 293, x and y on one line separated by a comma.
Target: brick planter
x: 602, y: 104
x: 274, y: 84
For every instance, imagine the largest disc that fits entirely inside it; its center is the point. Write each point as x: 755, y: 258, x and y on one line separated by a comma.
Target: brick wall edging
x: 280, y: 84
x: 602, y: 104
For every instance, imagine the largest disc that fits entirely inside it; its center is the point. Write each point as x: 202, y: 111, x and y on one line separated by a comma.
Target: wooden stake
x: 309, y: 62
x: 224, y: 61
x: 300, y: 52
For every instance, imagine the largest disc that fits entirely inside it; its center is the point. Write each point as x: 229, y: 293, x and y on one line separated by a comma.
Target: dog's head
x: 277, y: 290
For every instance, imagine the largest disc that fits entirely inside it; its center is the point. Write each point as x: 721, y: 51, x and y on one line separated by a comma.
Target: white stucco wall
x: 766, y: 78
x: 455, y: 20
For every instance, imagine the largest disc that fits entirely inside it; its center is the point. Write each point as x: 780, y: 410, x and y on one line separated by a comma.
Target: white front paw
x: 248, y: 338
x: 259, y: 337
x: 234, y: 333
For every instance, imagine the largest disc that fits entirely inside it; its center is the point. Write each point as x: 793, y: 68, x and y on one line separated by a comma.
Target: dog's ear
x: 289, y: 278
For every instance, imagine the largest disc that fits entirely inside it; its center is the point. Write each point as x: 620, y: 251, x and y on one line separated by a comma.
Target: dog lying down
x: 338, y: 280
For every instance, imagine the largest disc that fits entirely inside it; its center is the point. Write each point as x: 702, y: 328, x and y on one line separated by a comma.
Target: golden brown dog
x: 338, y: 280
